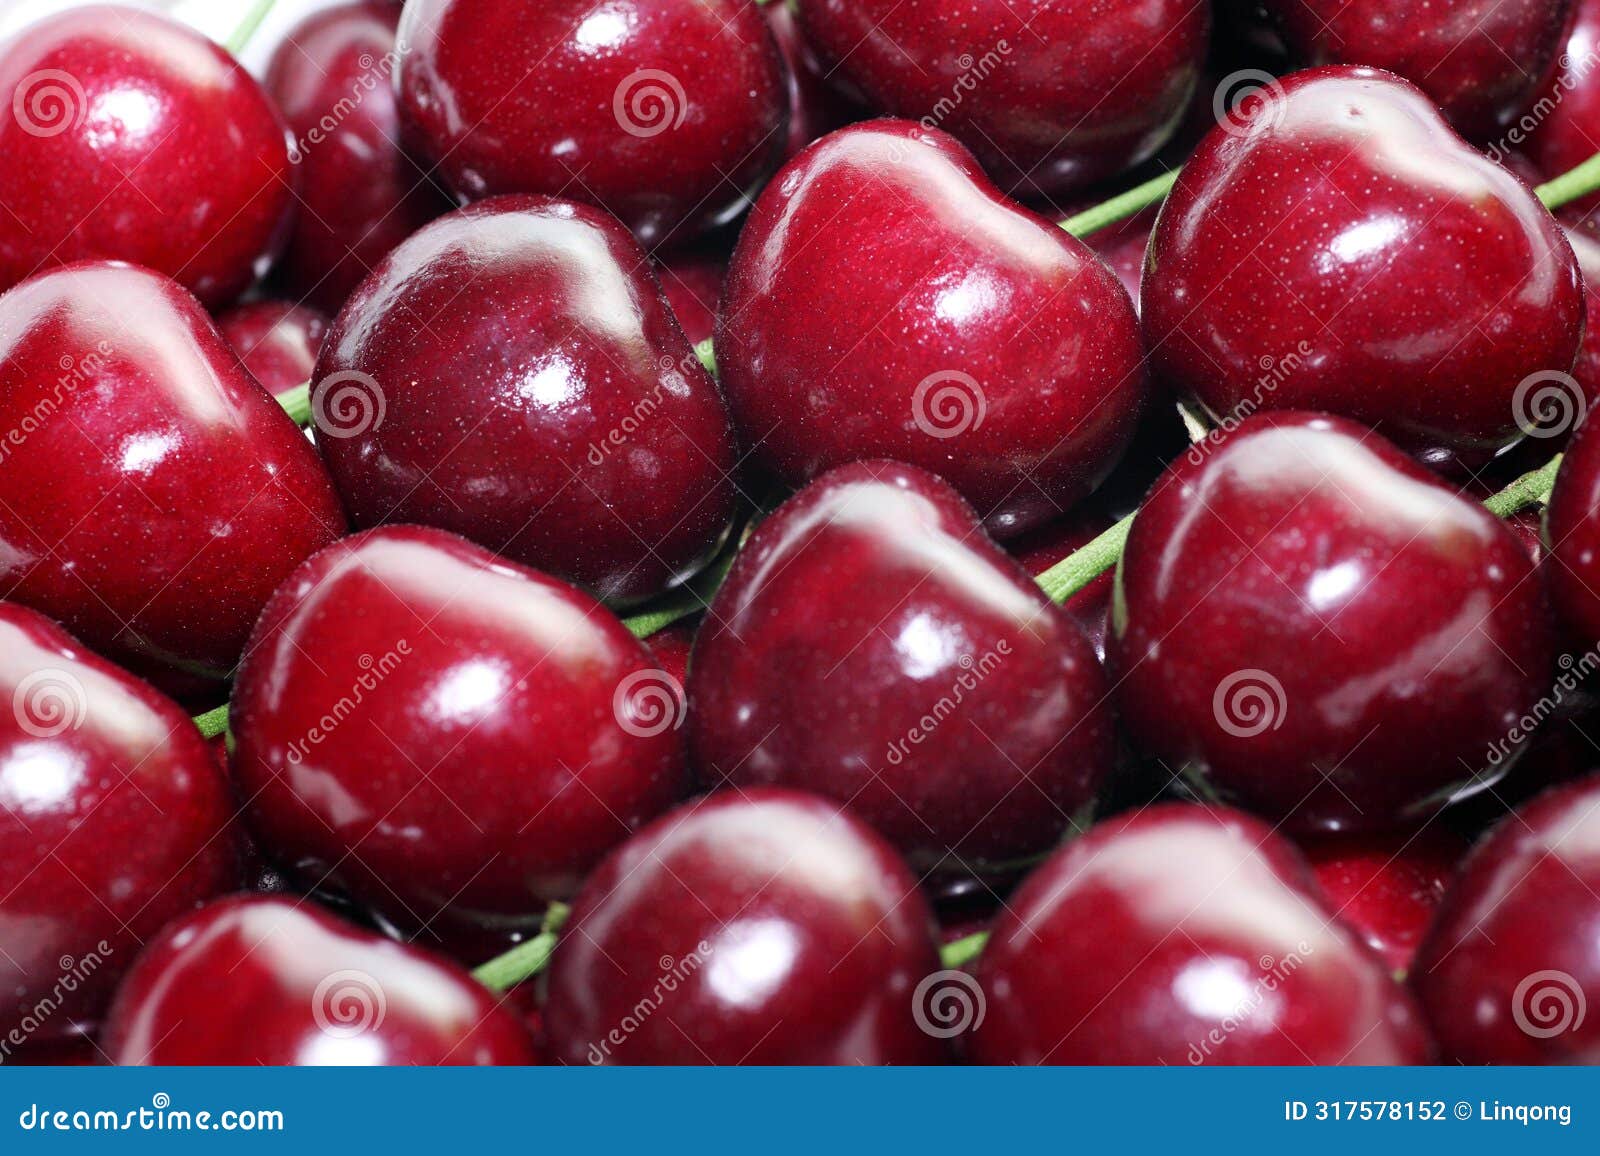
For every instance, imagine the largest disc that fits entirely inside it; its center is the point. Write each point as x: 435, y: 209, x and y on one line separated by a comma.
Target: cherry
x: 815, y: 107
x: 870, y: 644
x: 1387, y: 886
x: 448, y: 738
x: 360, y: 195
x: 113, y: 819
x: 1322, y: 630
x: 1572, y: 521
x: 1482, y: 62
x: 1408, y: 281
x: 554, y: 413
x: 764, y: 927
x: 1048, y: 545
x: 692, y: 283
x: 154, y: 495
x: 139, y: 139
x: 670, y: 648
x: 671, y: 112
x: 278, y: 341
x: 886, y: 301
x: 1566, y: 119
x: 1586, y: 370
x: 1190, y: 935
x: 1051, y: 97
x: 300, y: 987
x: 1513, y: 959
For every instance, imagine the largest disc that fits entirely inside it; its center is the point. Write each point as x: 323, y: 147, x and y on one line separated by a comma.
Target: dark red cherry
x: 815, y: 107
x: 114, y: 818
x: 1510, y: 973
x: 136, y: 138
x: 667, y: 113
x: 1387, y: 886
x: 1408, y: 281
x: 264, y: 980
x: 762, y: 927
x: 1572, y: 524
x: 153, y: 494
x: 1566, y: 119
x: 554, y: 414
x: 872, y: 645
x: 1184, y: 935
x: 360, y: 194
x: 886, y: 301
x: 1482, y: 62
x: 278, y: 341
x: 450, y: 739
x: 1586, y: 370
x: 1051, y: 97
x: 692, y: 283
x: 1322, y: 630
x: 671, y: 647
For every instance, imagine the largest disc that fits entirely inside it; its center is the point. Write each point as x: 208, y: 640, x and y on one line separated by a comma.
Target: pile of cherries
x: 1171, y: 644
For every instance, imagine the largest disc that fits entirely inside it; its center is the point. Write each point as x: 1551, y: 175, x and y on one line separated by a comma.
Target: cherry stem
x: 526, y: 960
x: 296, y: 403
x: 213, y: 722
x: 1531, y: 489
x: 1122, y: 206
x: 240, y: 37
x: 1570, y: 185
x: 960, y: 952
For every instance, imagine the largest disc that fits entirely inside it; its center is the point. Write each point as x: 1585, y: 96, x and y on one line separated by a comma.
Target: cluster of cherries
x: 879, y: 709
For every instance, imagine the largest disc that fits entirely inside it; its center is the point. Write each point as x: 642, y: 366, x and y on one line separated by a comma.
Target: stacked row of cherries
x: 440, y: 730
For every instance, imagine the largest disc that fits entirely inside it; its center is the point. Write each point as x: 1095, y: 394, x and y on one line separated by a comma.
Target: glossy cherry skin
x: 1322, y: 630
x: 278, y: 341
x: 815, y: 107
x: 138, y: 139
x: 554, y: 413
x: 1572, y: 525
x: 1387, y: 887
x: 1051, y: 97
x: 153, y: 493
x: 495, y: 732
x: 692, y: 283
x: 771, y: 928
x: 301, y: 988
x: 671, y: 112
x: 1568, y: 116
x: 360, y: 194
x: 872, y: 645
x: 1181, y: 934
x: 1586, y: 370
x: 1514, y: 952
x: 114, y: 818
x: 1482, y: 62
x: 1409, y: 282
x: 886, y: 301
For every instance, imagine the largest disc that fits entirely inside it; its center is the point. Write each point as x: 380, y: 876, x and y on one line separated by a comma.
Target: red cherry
x: 114, y: 818
x: 815, y: 108
x: 1408, y: 281
x: 1322, y: 630
x: 886, y: 301
x: 1566, y: 118
x: 1513, y: 960
x: 1051, y: 97
x: 278, y: 341
x: 671, y: 650
x: 668, y: 113
x: 137, y: 138
x: 263, y: 980
x: 692, y: 283
x: 360, y: 195
x: 452, y: 740
x: 870, y: 644
x: 1572, y: 522
x: 554, y: 414
x: 1184, y: 935
x: 1387, y: 886
x: 763, y: 927
x: 1482, y: 62
x: 191, y: 495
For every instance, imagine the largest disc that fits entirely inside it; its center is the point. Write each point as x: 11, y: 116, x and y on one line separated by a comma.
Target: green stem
x: 707, y: 356
x: 297, y: 403
x: 1122, y: 206
x: 213, y: 722
x: 1571, y: 185
x: 526, y: 960
x: 1078, y: 569
x: 960, y: 952
x: 1531, y: 489
x: 239, y: 38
